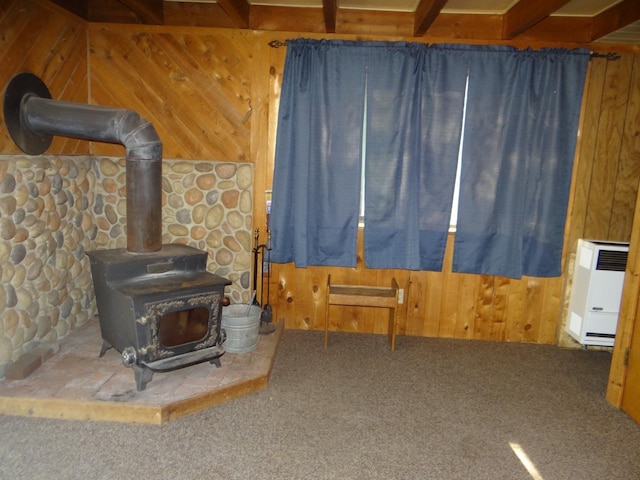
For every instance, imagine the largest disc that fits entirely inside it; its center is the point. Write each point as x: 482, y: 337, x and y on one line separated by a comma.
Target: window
x: 456, y: 189
x: 512, y: 166
x: 363, y: 157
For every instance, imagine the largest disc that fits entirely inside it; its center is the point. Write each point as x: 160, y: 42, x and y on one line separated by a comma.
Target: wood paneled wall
x: 46, y: 40
x: 193, y: 85
x: 609, y: 156
x: 214, y: 94
x: 629, y: 142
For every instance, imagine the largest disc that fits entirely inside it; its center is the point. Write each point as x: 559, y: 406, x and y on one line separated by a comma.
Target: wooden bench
x: 364, y: 296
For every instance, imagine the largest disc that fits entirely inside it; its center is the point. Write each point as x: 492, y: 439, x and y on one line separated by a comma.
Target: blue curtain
x: 415, y: 105
x: 415, y: 96
x: 519, y: 142
x: 522, y: 118
x: 316, y: 185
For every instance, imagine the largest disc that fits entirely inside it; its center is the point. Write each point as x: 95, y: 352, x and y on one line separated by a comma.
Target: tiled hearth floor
x: 75, y: 383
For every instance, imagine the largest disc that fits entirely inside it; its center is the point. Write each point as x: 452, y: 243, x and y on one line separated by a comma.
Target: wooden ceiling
x: 580, y: 22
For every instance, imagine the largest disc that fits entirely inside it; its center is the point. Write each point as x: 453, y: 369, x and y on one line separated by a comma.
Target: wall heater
x: 598, y: 278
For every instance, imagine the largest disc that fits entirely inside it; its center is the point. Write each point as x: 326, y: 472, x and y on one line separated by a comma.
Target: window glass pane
x: 364, y: 154
x: 456, y: 190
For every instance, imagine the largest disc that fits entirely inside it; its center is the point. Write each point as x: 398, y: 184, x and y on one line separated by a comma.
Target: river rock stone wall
x: 53, y: 209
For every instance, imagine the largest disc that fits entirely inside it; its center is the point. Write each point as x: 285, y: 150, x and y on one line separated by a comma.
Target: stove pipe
x: 32, y: 119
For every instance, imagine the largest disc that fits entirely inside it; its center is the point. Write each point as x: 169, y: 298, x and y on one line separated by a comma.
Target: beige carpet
x: 434, y: 409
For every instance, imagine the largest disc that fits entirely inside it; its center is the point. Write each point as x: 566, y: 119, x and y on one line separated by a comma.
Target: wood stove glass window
x: 184, y: 326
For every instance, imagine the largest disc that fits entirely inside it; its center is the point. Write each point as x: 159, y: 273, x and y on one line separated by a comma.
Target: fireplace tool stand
x: 266, y: 317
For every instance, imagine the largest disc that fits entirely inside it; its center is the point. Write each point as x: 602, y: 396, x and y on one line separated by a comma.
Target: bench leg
x: 326, y: 325
x: 392, y: 328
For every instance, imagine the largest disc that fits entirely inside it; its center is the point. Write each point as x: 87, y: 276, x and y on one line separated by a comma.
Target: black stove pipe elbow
x: 33, y: 118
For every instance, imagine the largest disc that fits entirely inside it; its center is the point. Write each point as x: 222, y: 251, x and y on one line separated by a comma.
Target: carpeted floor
x: 434, y: 409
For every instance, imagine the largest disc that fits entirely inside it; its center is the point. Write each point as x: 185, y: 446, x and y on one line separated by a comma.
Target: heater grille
x: 612, y: 260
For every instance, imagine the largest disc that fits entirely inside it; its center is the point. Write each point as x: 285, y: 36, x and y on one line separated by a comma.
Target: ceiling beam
x: 150, y: 12
x: 614, y: 18
x: 330, y: 10
x: 238, y: 11
x: 79, y: 8
x: 426, y: 12
x: 526, y: 13
x: 561, y: 29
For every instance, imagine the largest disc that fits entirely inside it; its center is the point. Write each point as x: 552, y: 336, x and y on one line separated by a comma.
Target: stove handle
x: 129, y: 356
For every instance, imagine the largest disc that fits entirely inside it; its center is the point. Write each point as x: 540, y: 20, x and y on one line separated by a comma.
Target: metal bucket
x: 241, y: 323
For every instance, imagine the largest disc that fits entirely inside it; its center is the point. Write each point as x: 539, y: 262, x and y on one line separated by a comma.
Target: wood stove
x: 157, y: 304
x: 161, y: 311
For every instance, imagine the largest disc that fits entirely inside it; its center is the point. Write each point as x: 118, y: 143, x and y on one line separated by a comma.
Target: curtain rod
x: 608, y: 56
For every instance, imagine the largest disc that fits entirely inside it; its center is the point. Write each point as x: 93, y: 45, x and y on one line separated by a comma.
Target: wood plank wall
x: 608, y: 165
x: 193, y: 85
x: 50, y: 42
x: 214, y: 94
x: 629, y: 312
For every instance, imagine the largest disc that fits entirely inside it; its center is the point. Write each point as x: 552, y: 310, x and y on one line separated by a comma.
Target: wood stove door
x: 181, y: 325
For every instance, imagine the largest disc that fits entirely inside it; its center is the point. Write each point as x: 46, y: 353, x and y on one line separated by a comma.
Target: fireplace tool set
x: 266, y: 317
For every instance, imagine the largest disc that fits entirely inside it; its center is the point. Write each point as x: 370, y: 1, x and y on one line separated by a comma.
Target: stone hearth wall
x: 55, y: 208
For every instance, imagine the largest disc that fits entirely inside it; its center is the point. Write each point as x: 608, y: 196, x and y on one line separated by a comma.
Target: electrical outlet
x: 401, y: 295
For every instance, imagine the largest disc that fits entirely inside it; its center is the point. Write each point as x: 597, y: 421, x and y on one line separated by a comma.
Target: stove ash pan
x: 160, y: 310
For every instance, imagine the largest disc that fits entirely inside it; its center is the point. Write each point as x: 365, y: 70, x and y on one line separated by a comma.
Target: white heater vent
x: 598, y: 278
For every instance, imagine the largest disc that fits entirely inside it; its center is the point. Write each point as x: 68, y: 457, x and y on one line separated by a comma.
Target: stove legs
x: 143, y: 376
x: 105, y: 346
